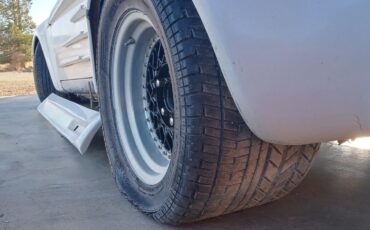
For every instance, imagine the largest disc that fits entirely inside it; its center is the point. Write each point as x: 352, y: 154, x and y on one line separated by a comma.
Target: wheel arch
x: 298, y: 76
x: 94, y: 18
x: 40, y: 38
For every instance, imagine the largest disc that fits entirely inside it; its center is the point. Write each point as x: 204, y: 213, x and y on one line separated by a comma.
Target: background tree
x: 16, y: 28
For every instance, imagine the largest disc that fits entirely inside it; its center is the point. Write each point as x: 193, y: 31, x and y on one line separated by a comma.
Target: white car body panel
x: 299, y: 71
x: 70, y: 48
x: 77, y: 123
x: 42, y: 38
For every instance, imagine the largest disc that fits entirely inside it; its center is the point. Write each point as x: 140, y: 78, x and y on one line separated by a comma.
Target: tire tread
x: 226, y: 168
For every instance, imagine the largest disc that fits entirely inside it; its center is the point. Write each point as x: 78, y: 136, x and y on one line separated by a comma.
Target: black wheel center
x: 159, y: 98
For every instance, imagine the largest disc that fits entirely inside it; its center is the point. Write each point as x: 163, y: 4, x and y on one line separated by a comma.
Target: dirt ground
x: 16, y: 84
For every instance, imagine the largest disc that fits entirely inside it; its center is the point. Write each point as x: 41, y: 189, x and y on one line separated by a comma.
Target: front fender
x: 299, y: 71
x: 40, y: 37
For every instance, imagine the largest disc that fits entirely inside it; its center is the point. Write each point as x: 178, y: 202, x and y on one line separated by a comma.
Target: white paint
x: 299, y: 71
x: 77, y: 123
x: 61, y: 40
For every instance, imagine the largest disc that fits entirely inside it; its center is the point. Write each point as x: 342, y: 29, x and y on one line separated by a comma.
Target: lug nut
x: 171, y: 121
x: 163, y: 111
x: 157, y: 83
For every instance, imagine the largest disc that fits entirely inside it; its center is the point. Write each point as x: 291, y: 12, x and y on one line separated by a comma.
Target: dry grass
x: 4, y: 67
x: 8, y: 68
x: 16, y: 84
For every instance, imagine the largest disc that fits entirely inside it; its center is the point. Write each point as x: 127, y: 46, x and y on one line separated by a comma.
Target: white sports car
x: 207, y: 106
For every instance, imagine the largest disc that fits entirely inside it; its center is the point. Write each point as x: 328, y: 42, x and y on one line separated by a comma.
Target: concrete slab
x: 46, y: 184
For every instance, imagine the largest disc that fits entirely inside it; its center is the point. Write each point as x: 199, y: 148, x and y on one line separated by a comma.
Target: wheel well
x: 94, y: 16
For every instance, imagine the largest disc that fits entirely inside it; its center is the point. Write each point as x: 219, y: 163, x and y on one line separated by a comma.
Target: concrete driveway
x: 46, y: 184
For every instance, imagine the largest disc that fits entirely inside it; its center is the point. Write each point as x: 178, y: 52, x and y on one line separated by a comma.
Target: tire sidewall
x: 148, y: 198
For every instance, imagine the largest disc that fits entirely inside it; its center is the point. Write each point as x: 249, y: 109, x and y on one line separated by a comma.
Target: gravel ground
x: 16, y: 84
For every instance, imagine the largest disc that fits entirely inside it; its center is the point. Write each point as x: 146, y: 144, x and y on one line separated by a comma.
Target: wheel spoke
x: 158, y: 84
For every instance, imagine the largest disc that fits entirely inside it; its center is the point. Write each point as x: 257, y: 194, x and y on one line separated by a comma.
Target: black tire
x: 44, y: 85
x: 218, y: 165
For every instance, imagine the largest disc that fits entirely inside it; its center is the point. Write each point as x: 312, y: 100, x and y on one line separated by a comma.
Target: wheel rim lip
x: 146, y: 161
